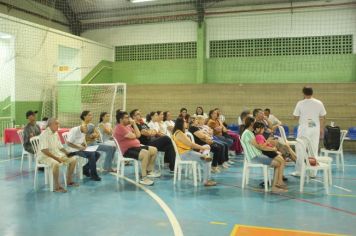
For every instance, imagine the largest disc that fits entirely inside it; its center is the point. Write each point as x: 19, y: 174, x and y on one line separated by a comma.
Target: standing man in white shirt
x: 311, y: 114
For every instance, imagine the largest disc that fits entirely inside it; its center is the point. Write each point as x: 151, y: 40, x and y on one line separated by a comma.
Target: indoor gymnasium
x: 177, y: 117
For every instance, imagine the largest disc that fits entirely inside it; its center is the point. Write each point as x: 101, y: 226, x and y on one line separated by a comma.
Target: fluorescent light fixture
x: 137, y: 1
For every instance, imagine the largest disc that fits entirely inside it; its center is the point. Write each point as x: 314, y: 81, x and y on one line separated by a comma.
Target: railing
x: 5, y: 122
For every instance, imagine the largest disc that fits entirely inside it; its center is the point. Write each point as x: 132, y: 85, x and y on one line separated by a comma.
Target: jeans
x: 195, y: 156
x: 92, y: 158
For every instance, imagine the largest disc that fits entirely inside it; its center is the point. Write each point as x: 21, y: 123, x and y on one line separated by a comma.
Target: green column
x: 201, y: 53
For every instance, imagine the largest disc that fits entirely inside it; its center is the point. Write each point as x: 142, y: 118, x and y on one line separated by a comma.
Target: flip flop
x: 60, y: 190
x: 73, y: 184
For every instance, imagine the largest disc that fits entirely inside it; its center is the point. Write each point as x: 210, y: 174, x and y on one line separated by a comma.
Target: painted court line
x: 10, y: 159
x: 171, y: 217
x: 299, y: 199
x: 345, y: 189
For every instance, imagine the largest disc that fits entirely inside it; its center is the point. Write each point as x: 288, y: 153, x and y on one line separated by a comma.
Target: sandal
x: 210, y: 183
x: 73, y: 184
x: 279, y: 190
x: 60, y: 190
x: 282, y: 186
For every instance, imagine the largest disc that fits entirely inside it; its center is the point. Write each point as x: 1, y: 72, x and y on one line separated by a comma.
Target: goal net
x: 71, y: 99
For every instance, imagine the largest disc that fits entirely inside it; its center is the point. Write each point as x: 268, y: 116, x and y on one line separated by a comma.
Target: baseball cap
x: 30, y: 113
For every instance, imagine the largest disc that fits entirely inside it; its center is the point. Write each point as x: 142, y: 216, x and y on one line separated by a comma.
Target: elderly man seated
x: 53, y: 154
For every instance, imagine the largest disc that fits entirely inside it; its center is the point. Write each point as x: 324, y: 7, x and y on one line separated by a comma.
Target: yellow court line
x: 236, y: 227
x: 333, y: 194
x: 234, y: 231
x: 218, y: 223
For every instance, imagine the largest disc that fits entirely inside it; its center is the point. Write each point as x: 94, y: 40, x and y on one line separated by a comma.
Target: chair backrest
x: 20, y: 133
x: 352, y: 132
x: 309, y: 149
x: 65, y: 136
x: 283, y: 133
x: 178, y: 158
x: 342, y: 138
x: 117, y: 147
x: 35, y: 143
x: 302, y: 151
x: 190, y: 136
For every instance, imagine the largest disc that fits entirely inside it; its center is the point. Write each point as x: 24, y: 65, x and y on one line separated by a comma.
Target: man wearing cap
x: 30, y: 130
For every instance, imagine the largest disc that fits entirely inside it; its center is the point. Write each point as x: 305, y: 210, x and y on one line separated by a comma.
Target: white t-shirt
x: 76, y: 137
x: 50, y: 141
x: 274, y: 120
x: 309, y: 112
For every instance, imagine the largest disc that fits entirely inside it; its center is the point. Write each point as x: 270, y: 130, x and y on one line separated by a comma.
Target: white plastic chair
x: 248, y: 164
x: 190, y: 136
x: 339, y: 154
x: 179, y: 163
x: 304, y: 150
x: 81, y: 161
x: 121, y: 163
x: 24, y: 152
x: 284, y: 136
x: 322, y: 159
x: 35, y: 143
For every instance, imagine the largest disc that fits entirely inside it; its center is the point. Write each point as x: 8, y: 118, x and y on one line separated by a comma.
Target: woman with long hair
x: 186, y: 150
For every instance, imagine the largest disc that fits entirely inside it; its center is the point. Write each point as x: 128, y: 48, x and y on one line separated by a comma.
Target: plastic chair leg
x: 194, y: 169
x: 302, y: 179
x: 342, y: 161
x: 265, y: 177
x: 326, y: 177
x: 244, y: 176
x: 136, y: 171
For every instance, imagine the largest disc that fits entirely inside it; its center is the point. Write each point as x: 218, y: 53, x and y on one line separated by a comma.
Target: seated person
x: 199, y: 111
x: 105, y: 129
x: 30, y: 130
x: 274, y: 120
x: 185, y: 149
x: 53, y: 154
x: 155, y: 121
x: 77, y: 145
x: 127, y: 133
x: 92, y: 136
x: 242, y: 117
x: 253, y: 151
x: 260, y: 116
x: 156, y: 139
x: 167, y: 118
x: 203, y: 138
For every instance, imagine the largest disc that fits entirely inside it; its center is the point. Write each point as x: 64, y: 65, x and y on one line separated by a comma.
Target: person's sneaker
x: 284, y: 178
x: 262, y: 184
x: 225, y: 165
x: 215, y: 169
x: 95, y: 178
x: 154, y: 174
x: 231, y: 162
x: 295, y: 174
x: 146, y: 181
x: 86, y: 173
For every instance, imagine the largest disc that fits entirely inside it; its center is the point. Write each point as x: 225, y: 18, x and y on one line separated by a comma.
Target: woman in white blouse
x: 167, y: 119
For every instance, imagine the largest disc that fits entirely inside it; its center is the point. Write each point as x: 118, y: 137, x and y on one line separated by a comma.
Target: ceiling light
x: 137, y: 1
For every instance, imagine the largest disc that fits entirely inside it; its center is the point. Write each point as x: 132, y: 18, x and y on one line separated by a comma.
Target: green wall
x: 171, y: 71
x: 272, y: 69
x: 283, y: 69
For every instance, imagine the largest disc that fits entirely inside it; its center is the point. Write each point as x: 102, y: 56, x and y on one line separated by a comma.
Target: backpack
x: 332, y: 137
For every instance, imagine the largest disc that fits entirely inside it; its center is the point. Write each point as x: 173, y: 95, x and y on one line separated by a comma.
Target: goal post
x: 72, y: 99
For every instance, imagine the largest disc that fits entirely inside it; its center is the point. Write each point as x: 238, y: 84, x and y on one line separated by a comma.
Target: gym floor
x: 126, y: 208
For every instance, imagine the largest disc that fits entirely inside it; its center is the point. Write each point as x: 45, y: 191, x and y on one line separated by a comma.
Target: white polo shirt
x: 76, y: 137
x: 50, y: 140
